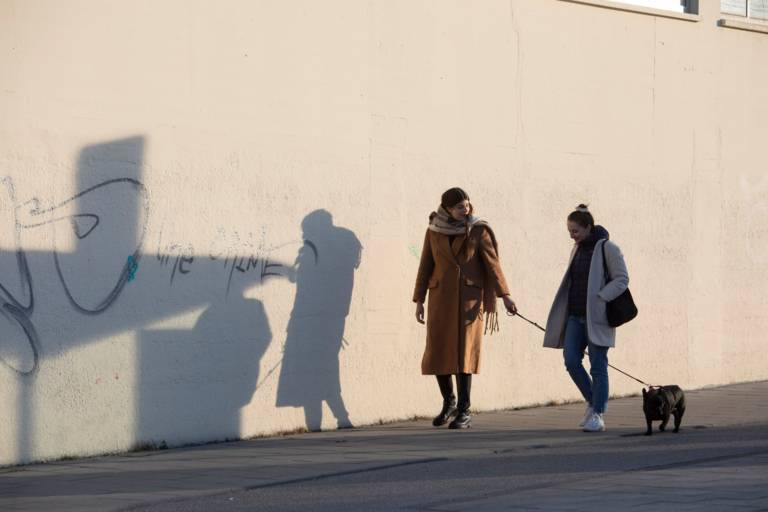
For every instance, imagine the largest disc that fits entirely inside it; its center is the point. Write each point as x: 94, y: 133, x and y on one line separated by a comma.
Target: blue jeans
x: 595, y: 389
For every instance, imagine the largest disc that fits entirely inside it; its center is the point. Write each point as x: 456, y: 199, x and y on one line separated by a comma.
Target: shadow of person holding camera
x: 324, y: 274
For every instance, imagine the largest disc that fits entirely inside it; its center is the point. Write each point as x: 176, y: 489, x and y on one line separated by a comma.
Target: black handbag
x: 622, y: 309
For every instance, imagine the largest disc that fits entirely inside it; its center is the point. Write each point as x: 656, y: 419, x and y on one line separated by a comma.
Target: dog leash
x: 544, y: 330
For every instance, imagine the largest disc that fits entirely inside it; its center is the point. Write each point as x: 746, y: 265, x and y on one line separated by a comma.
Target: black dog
x: 660, y: 402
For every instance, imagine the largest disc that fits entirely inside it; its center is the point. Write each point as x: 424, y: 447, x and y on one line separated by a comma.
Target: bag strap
x: 605, y: 267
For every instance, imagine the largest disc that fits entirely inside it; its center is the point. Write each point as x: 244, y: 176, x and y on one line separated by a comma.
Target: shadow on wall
x: 188, y: 385
x: 105, y: 221
x: 325, y: 271
x: 192, y: 384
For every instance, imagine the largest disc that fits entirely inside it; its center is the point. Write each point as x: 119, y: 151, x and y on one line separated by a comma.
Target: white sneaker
x: 587, y: 414
x: 595, y: 423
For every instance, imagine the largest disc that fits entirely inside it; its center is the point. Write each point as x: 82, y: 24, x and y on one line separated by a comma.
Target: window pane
x: 670, y: 5
x: 738, y: 7
x: 758, y: 9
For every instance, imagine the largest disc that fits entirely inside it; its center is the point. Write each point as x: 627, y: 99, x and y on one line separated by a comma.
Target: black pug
x: 659, y: 402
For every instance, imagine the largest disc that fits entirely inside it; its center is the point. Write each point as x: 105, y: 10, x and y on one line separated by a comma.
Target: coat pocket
x: 433, y: 283
x: 472, y: 282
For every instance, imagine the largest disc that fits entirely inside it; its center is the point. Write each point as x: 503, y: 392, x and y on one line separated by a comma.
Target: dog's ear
x: 645, y: 393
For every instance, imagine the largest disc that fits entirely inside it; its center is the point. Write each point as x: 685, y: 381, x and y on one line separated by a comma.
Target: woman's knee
x: 598, y: 366
x: 598, y: 372
x: 572, y: 360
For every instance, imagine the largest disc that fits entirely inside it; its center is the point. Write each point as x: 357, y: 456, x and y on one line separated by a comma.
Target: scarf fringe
x: 491, y: 323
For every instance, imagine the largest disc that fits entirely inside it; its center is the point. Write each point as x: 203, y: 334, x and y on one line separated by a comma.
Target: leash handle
x: 529, y: 321
x: 544, y: 330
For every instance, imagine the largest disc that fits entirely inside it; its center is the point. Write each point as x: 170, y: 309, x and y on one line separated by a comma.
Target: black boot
x: 449, y: 400
x: 463, y: 418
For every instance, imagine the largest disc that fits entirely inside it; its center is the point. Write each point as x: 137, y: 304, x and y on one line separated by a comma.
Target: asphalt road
x: 697, y: 469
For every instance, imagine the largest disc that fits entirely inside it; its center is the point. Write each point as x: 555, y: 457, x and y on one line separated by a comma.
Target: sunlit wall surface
x: 211, y: 213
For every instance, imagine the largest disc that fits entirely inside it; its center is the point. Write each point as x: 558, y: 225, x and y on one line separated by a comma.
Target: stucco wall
x: 211, y: 215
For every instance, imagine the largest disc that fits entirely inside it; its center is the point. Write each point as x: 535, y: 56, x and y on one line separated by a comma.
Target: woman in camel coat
x: 460, y: 271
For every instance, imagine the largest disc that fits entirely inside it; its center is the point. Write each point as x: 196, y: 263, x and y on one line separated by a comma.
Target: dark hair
x: 452, y: 197
x: 582, y: 217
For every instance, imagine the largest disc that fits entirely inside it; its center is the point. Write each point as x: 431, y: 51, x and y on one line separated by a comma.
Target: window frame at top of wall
x: 746, y: 22
x: 691, y: 12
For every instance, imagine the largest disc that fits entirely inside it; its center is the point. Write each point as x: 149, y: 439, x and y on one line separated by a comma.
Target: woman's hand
x: 420, y: 312
x: 509, y: 304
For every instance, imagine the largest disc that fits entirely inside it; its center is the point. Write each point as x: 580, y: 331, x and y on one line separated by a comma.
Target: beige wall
x: 201, y: 134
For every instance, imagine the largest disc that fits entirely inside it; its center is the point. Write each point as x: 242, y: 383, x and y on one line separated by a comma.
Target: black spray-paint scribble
x: 180, y: 259
x: 30, y: 215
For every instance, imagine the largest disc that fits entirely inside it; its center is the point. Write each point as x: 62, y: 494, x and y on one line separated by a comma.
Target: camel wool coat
x: 456, y: 277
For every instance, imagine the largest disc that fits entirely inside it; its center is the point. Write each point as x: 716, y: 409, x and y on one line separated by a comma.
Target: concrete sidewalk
x: 530, y: 459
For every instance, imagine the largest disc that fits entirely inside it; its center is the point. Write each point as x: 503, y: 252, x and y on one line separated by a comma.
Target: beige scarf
x: 440, y: 221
